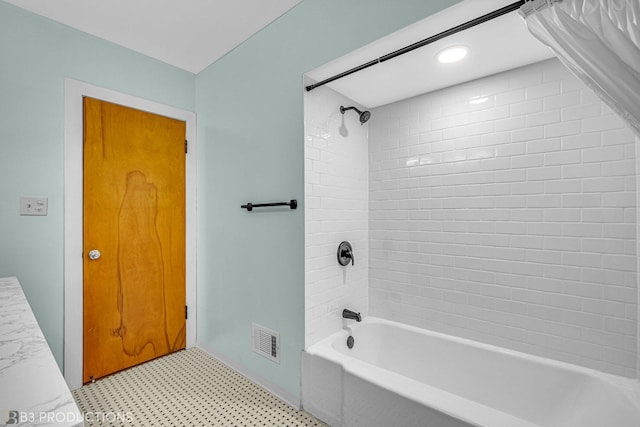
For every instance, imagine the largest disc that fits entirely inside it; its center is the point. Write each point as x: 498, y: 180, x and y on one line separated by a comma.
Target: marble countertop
x: 33, y: 392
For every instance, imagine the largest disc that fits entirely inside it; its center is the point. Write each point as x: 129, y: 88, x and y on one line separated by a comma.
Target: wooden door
x: 134, y: 214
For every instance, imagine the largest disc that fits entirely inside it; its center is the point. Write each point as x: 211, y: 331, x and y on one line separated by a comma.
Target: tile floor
x: 186, y: 388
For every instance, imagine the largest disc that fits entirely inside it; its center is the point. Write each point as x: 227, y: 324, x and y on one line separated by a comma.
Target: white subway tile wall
x: 511, y: 221
x: 638, y: 246
x: 336, y: 209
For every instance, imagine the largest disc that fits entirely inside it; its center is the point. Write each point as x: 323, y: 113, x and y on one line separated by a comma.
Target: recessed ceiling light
x: 452, y: 54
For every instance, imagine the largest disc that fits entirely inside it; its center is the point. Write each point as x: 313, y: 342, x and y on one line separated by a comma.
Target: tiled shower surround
x: 511, y: 221
x: 336, y: 209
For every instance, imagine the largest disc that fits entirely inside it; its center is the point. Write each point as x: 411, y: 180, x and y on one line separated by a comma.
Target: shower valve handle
x: 345, y: 254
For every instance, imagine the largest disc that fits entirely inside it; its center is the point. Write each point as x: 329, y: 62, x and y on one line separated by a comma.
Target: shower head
x: 364, y: 115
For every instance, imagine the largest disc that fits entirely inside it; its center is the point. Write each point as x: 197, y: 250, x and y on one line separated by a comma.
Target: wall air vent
x: 265, y: 342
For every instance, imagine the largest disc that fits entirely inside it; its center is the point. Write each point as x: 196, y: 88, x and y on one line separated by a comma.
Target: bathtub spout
x: 348, y: 314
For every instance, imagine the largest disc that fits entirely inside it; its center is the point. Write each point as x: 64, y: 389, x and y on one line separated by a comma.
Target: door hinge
x: 186, y: 146
x: 186, y: 311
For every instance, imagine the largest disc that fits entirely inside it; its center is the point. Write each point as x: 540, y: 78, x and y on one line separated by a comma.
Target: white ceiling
x: 192, y: 34
x: 498, y: 45
x: 189, y: 34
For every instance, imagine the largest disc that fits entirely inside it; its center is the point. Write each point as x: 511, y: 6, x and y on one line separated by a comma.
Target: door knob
x: 94, y: 254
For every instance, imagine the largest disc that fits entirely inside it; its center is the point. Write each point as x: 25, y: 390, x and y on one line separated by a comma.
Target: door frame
x: 73, y: 209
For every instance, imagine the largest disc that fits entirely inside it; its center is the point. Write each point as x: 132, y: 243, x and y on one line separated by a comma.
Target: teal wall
x: 250, y: 133
x: 36, y: 55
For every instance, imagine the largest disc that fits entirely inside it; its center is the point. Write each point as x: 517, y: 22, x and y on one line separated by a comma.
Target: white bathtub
x: 398, y: 375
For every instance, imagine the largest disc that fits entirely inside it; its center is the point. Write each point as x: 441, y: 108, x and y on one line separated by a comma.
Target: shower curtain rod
x: 484, y: 18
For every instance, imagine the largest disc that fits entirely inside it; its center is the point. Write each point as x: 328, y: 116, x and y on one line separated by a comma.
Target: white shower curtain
x: 599, y: 41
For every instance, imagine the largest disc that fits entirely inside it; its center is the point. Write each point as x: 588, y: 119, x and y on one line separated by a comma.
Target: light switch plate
x: 35, y: 206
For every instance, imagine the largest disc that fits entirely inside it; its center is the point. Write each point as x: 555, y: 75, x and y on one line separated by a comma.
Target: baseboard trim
x: 288, y: 398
